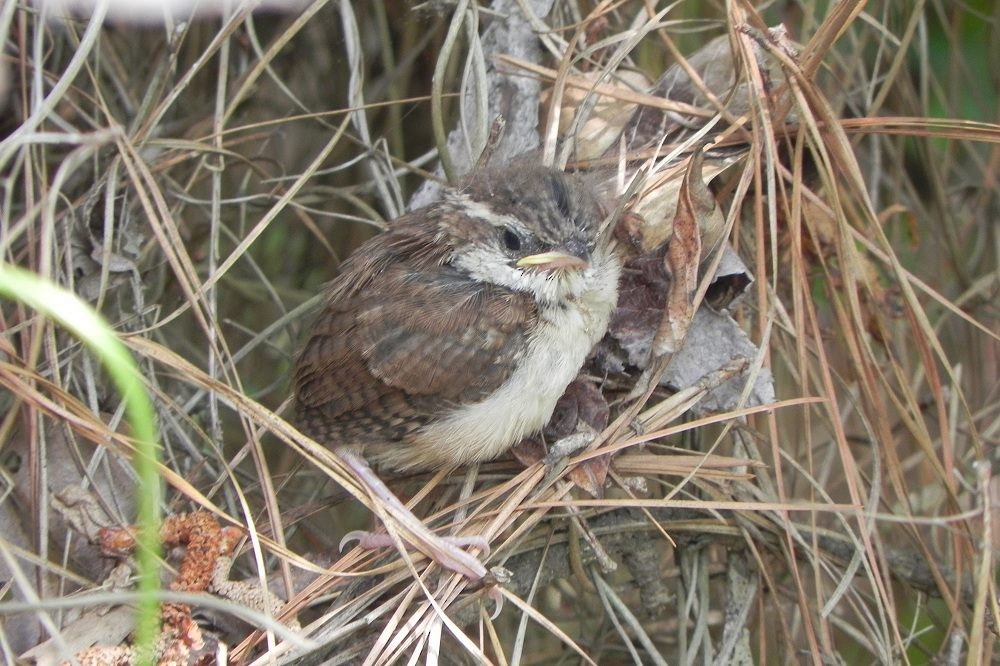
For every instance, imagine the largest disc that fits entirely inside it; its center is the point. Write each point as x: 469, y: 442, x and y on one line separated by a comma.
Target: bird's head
x: 533, y: 230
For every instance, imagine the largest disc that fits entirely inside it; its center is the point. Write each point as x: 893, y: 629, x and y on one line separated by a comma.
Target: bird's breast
x: 555, y: 350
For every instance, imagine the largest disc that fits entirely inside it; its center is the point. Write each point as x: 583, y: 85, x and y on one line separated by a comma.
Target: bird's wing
x: 416, y: 340
x: 445, y: 335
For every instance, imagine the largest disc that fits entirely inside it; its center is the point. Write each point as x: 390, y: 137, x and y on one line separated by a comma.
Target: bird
x: 449, y: 337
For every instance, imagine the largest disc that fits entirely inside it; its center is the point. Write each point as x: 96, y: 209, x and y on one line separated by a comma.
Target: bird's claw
x: 470, y: 541
x: 496, y: 596
x: 450, y: 556
x: 366, y: 540
x: 497, y: 577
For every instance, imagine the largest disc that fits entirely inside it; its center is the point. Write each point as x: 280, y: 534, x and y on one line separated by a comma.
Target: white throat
x: 573, y: 316
x: 488, y: 264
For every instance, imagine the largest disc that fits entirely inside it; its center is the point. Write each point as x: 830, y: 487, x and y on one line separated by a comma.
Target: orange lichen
x: 204, y: 542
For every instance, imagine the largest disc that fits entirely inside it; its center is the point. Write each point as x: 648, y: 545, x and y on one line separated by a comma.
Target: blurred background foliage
x: 173, y: 141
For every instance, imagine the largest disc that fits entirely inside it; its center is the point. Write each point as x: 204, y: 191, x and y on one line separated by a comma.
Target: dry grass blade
x: 795, y: 464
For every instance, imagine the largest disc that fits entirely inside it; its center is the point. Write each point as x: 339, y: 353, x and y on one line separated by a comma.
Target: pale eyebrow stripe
x: 482, y: 211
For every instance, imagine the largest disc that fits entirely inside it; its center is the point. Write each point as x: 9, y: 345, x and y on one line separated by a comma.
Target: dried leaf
x: 109, y: 486
x: 529, y: 451
x: 711, y: 221
x: 694, y: 203
x: 581, y: 401
x: 81, y: 511
x: 641, y: 302
x: 600, y: 130
x: 731, y: 281
x: 716, y: 67
x: 591, y: 475
x: 655, y: 206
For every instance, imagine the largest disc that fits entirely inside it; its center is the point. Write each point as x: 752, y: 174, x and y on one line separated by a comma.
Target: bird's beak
x: 548, y: 261
x: 574, y: 256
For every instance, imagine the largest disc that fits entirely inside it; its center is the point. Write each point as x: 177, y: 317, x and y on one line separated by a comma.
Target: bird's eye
x: 510, y: 239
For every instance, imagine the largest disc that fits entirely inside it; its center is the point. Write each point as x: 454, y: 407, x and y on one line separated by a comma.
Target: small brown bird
x: 450, y: 337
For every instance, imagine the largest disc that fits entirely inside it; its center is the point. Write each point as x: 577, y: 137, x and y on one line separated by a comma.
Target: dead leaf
x: 731, y: 281
x: 600, y: 130
x: 716, y: 68
x: 529, y: 451
x: 656, y: 204
x: 581, y: 401
x: 591, y: 475
x: 694, y: 202
x: 81, y: 511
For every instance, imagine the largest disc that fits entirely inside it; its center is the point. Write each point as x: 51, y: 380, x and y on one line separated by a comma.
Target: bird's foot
x: 414, y: 532
x: 446, y: 551
x: 450, y: 555
x: 498, y: 576
x: 373, y: 540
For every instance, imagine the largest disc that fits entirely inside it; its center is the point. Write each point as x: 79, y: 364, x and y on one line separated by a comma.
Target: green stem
x: 89, y: 326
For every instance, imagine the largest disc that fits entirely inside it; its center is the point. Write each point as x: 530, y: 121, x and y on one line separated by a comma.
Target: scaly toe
x: 366, y: 540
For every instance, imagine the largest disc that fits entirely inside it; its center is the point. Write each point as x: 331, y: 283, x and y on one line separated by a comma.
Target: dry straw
x: 796, y: 463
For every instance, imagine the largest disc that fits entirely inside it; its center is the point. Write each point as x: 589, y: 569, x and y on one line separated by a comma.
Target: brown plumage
x: 451, y: 336
x: 417, y: 325
x: 402, y: 336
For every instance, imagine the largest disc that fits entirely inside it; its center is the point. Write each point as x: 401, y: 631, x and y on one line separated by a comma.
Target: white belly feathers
x: 524, y: 403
